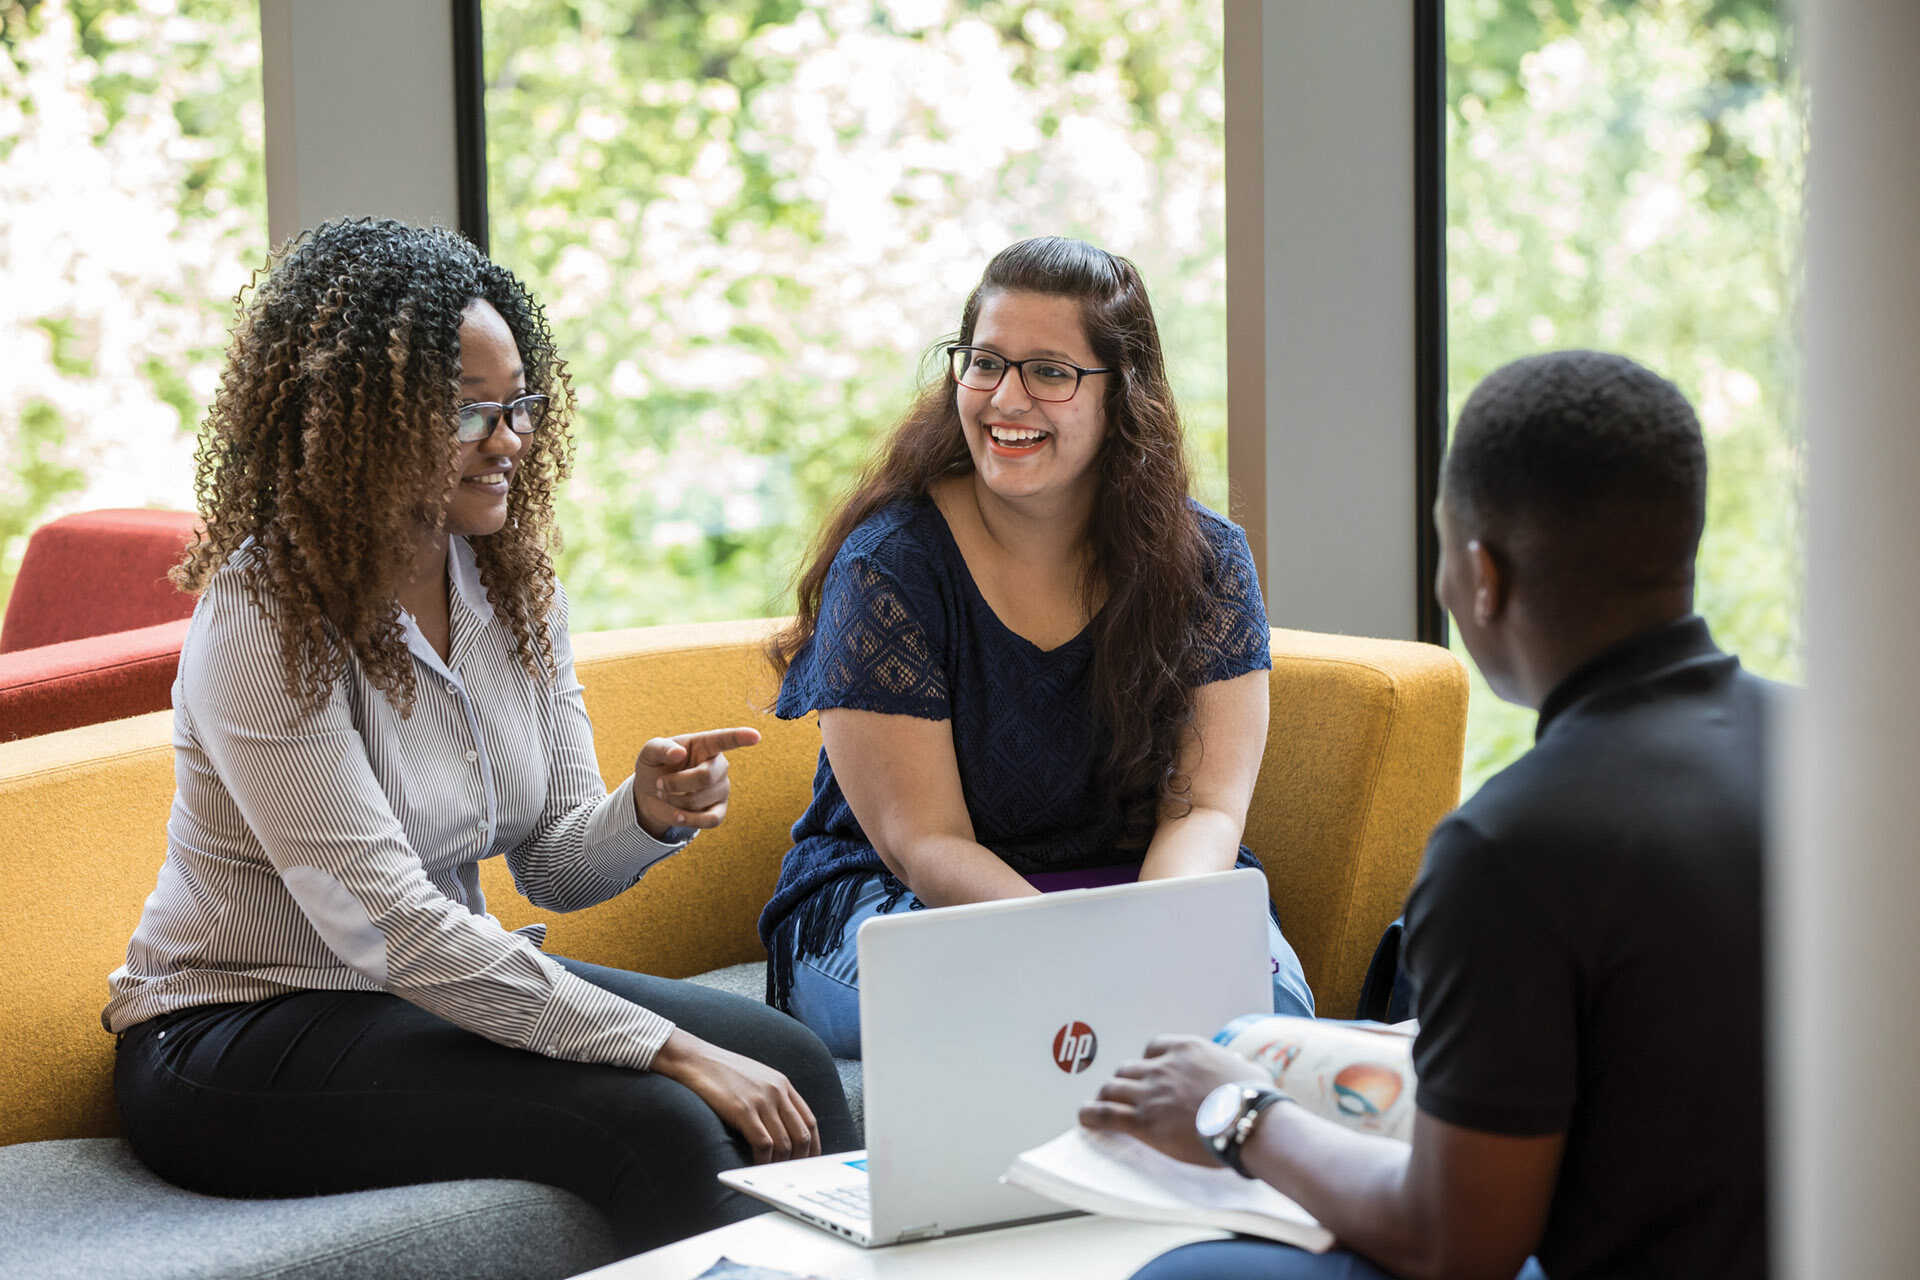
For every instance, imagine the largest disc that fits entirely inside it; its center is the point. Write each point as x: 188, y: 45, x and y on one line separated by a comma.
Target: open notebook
x: 1357, y: 1074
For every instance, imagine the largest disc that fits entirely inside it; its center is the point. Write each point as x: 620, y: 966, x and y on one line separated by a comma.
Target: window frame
x: 470, y: 121
x: 1426, y: 291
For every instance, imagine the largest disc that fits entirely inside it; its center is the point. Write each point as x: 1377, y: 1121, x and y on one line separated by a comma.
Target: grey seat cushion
x: 750, y: 980
x: 87, y: 1208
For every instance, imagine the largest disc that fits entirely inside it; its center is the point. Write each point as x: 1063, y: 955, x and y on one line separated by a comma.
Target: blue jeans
x: 1243, y: 1258
x: 826, y: 989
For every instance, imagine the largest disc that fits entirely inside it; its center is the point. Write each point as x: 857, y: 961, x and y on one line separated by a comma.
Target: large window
x: 135, y: 208
x: 749, y: 218
x: 1627, y: 177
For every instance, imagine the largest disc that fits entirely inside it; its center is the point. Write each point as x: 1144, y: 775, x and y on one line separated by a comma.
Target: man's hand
x: 682, y: 781
x: 1154, y: 1099
x: 751, y: 1098
x: 1455, y: 1202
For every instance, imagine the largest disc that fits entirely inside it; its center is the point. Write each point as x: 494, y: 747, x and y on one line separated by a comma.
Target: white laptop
x: 984, y: 1027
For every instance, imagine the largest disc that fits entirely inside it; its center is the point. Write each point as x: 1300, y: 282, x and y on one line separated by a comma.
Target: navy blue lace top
x: 904, y: 630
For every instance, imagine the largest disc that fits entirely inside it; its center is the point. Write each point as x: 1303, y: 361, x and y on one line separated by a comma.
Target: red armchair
x: 93, y: 628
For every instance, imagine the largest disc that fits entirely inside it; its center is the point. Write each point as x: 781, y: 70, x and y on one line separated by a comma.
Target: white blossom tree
x: 134, y: 211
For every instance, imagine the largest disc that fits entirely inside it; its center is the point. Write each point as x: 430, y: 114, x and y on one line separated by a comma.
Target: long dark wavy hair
x: 331, y: 445
x: 1147, y: 548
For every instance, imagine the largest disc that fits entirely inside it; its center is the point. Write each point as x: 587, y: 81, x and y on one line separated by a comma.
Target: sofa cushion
x: 694, y: 911
x: 750, y: 980
x: 87, y: 681
x: 87, y: 1208
x: 1362, y: 758
x: 97, y: 572
x: 84, y: 817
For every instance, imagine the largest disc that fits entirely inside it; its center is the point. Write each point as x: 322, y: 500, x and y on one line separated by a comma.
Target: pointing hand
x: 682, y: 781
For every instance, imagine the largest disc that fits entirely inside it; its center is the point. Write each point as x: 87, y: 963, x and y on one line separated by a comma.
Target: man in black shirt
x: 1585, y: 936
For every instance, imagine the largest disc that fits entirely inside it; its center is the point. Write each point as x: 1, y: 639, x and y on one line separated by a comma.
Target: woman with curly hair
x: 1037, y: 662
x: 377, y: 691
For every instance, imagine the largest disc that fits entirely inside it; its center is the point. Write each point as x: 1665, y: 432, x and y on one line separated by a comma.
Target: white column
x: 359, y: 111
x: 1320, y: 308
x: 1845, y: 884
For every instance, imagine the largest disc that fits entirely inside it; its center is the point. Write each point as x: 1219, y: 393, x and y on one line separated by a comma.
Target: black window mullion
x: 1429, y: 303
x: 470, y: 121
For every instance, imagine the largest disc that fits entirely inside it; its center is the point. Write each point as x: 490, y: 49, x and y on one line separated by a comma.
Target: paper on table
x: 727, y: 1269
x: 1122, y: 1176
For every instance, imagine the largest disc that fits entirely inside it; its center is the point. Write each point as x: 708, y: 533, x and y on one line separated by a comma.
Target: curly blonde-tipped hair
x: 330, y: 446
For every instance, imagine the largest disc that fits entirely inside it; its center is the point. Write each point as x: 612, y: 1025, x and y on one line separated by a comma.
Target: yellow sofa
x: 1363, y: 757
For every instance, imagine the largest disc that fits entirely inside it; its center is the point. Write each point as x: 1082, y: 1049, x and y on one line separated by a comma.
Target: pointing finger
x: 711, y: 742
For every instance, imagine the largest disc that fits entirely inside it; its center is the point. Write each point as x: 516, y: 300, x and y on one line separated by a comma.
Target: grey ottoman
x: 86, y: 1208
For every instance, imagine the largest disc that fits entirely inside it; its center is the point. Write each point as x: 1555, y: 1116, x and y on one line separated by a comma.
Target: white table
x: 1084, y: 1248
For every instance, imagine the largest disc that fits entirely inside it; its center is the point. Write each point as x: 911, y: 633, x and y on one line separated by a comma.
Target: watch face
x: 1218, y: 1110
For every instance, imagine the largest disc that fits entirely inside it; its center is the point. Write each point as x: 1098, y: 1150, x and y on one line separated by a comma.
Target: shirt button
x: 452, y: 688
x: 472, y: 756
x: 481, y: 827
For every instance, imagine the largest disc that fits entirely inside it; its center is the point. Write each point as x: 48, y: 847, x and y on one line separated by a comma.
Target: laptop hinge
x: 918, y: 1233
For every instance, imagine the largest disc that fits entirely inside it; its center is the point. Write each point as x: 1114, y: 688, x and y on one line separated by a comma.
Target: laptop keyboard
x: 851, y: 1201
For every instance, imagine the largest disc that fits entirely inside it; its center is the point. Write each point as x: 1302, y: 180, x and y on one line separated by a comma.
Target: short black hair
x: 1588, y: 467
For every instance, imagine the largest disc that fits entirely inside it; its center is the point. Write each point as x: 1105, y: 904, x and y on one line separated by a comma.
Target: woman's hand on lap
x: 753, y: 1099
x: 682, y: 781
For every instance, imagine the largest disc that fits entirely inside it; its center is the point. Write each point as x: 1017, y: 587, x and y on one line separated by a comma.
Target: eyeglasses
x: 475, y: 422
x: 1045, y: 379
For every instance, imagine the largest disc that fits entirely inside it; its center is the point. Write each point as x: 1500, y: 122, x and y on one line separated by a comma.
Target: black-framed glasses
x: 1045, y: 378
x: 475, y: 422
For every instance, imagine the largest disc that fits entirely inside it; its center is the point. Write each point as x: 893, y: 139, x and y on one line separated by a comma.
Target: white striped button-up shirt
x: 339, y: 849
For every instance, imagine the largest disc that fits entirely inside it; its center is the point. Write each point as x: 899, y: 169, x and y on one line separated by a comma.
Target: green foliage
x: 133, y: 180
x: 39, y: 479
x: 750, y: 218
x: 204, y: 73
x: 66, y: 346
x: 1627, y: 176
x: 749, y: 221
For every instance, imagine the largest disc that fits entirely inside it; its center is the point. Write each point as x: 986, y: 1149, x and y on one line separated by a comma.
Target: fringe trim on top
x: 813, y: 928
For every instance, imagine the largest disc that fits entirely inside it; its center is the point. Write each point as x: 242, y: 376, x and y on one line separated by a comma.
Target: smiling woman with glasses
x: 1037, y: 661
x: 475, y: 422
x: 376, y: 692
x: 1048, y: 381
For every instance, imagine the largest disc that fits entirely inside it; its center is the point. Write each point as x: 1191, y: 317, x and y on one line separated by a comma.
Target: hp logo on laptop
x: 1074, y: 1046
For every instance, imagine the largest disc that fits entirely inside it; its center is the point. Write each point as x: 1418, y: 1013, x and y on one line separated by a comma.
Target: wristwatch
x: 1226, y: 1117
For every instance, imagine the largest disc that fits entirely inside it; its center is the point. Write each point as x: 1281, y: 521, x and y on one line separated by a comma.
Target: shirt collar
x: 464, y: 570
x: 467, y: 609
x: 1634, y: 658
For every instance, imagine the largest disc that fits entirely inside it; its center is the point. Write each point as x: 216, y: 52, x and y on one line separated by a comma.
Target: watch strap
x: 1236, y: 1137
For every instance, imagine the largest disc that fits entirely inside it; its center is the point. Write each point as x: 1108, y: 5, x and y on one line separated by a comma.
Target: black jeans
x: 326, y: 1091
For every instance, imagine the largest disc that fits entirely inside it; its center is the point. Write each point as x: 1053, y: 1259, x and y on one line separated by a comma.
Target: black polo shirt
x: 1585, y: 946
